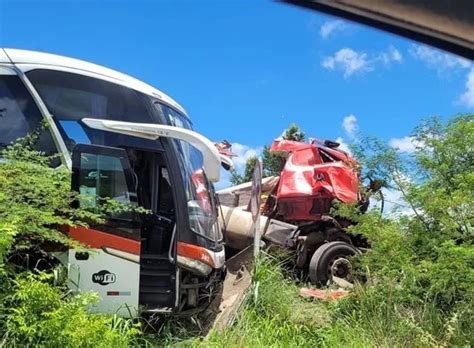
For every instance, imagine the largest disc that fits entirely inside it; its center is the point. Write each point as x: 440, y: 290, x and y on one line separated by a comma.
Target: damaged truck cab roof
x: 313, y: 176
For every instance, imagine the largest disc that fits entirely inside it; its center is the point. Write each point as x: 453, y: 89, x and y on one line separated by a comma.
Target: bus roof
x: 27, y: 57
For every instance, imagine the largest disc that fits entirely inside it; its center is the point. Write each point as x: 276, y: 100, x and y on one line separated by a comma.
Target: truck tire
x: 331, y: 259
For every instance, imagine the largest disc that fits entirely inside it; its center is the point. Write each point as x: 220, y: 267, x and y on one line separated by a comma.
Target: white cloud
x: 438, y: 60
x: 391, y: 55
x: 468, y: 96
x: 349, y: 123
x: 244, y: 152
x: 444, y: 63
x: 350, y: 61
x: 406, y: 144
x: 347, y: 60
x: 343, y: 145
x: 330, y: 27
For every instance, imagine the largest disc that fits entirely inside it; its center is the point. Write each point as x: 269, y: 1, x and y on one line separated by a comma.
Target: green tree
x: 293, y: 132
x: 272, y: 162
x: 423, y: 260
x: 237, y: 178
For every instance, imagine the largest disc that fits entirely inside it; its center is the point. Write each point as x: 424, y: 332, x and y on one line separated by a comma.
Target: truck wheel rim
x: 340, y: 267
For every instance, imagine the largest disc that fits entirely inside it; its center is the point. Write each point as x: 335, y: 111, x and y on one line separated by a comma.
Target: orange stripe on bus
x: 97, y: 239
x: 195, y: 252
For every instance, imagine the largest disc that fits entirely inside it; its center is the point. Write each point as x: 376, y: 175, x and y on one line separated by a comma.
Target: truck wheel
x: 331, y: 259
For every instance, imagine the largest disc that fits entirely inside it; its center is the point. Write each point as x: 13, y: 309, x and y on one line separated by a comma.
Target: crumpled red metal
x: 313, y: 176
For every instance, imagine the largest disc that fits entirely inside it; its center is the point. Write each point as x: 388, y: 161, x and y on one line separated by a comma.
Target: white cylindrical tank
x: 238, y: 227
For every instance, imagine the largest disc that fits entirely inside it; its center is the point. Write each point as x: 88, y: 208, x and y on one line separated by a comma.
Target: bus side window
x: 103, y: 179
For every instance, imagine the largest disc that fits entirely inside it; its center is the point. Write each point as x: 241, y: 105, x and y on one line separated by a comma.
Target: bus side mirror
x: 227, y: 162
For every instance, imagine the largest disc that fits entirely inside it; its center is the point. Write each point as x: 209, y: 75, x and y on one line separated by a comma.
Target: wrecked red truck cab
x: 296, y: 213
x: 313, y: 176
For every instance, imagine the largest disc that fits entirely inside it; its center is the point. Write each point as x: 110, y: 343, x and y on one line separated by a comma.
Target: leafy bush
x: 39, y: 314
x: 420, y: 267
x: 35, y: 201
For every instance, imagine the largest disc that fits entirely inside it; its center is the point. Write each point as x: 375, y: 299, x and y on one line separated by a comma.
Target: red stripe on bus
x: 97, y: 239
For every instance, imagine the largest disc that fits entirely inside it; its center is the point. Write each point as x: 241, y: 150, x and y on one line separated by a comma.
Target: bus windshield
x: 202, y: 208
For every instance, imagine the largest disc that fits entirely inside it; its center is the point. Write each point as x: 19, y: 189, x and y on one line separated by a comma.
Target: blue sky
x: 245, y: 70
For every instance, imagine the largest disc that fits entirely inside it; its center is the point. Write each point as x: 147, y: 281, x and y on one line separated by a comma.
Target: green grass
x: 277, y: 316
x: 274, y: 316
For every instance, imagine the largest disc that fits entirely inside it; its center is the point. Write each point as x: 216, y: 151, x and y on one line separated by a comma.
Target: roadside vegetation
x: 415, y: 284
x: 35, y: 307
